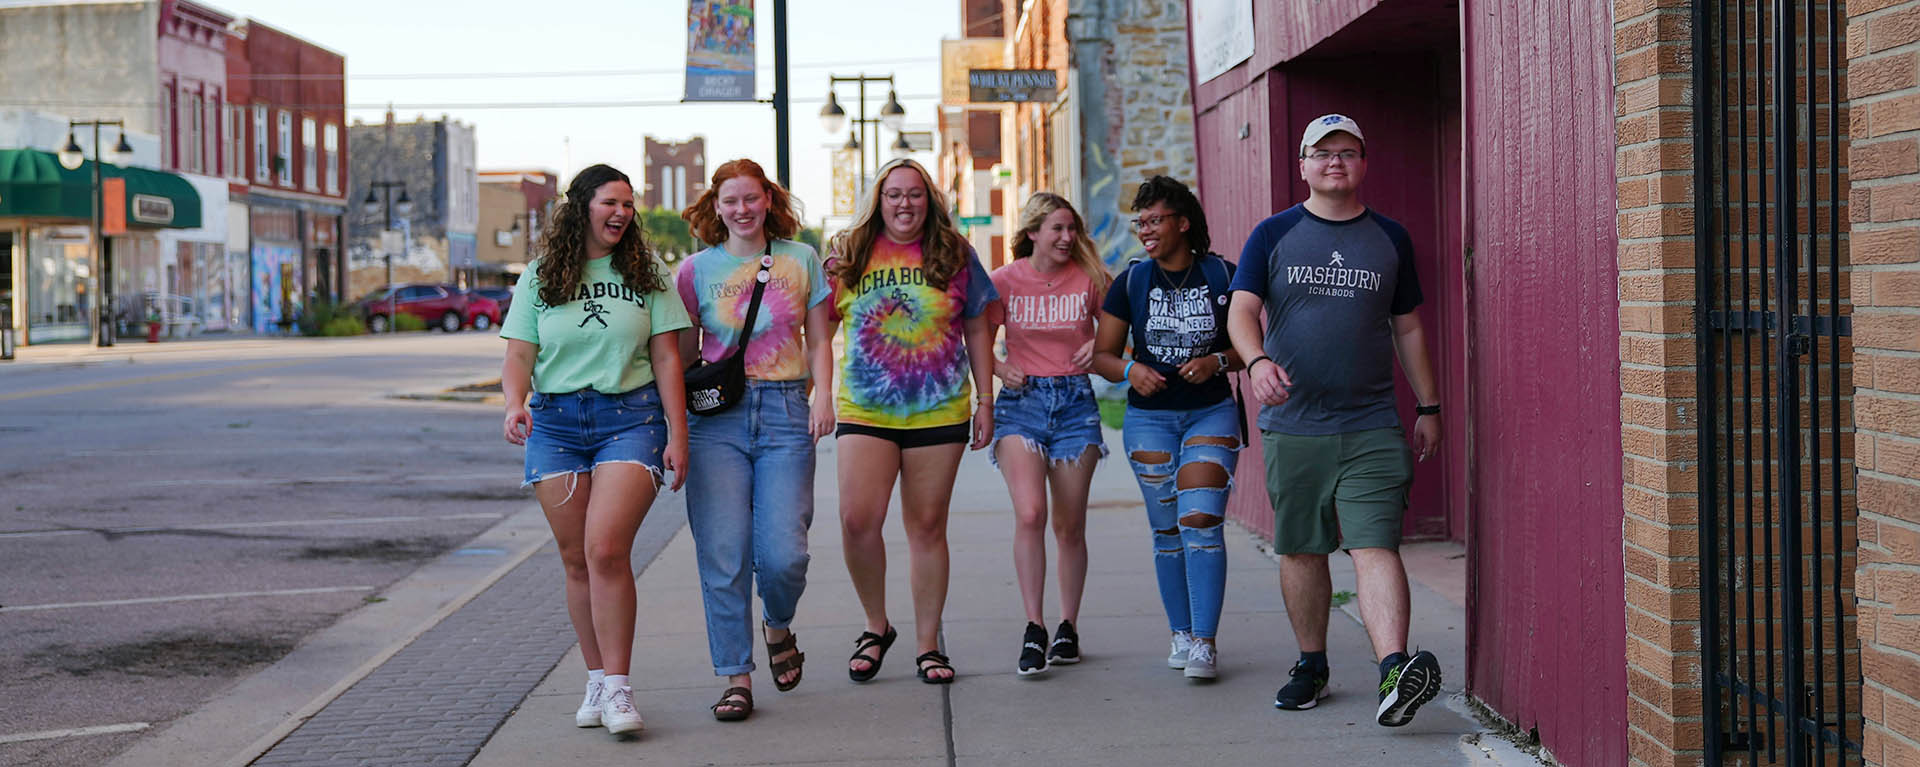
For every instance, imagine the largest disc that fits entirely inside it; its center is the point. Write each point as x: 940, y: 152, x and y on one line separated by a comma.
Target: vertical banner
x: 846, y: 183
x: 720, y: 50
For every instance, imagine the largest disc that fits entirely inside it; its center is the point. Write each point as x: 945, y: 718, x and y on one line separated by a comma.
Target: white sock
x: 615, y: 681
x: 596, y: 675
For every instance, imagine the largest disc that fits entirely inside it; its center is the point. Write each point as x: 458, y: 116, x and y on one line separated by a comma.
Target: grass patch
x: 1113, y: 412
x: 1341, y: 598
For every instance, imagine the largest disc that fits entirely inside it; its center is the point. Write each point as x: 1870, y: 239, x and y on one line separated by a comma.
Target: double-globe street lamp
x: 372, y: 205
x: 71, y: 158
x: 833, y: 117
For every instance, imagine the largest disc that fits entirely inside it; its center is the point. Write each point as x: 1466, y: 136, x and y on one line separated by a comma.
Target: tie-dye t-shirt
x: 905, y: 360
x: 717, y: 287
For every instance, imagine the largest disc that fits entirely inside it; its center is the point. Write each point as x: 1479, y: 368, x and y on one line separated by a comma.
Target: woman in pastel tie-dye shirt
x: 750, y: 494
x: 912, y: 298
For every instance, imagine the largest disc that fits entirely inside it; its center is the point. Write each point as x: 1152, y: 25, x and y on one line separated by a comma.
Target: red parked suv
x: 443, y: 306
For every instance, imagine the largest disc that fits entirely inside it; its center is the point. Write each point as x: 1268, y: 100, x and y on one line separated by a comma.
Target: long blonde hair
x: 1034, y: 214
x: 943, y: 250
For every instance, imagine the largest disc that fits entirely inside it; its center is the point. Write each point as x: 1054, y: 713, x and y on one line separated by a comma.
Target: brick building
x: 514, y: 207
x: 675, y: 174
x: 284, y: 129
x: 433, y: 160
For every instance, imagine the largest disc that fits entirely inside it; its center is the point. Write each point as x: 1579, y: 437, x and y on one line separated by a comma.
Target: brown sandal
x: 735, y: 710
x: 792, y: 663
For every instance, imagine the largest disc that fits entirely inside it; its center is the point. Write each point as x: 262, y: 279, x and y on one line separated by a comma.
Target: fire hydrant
x: 153, y: 326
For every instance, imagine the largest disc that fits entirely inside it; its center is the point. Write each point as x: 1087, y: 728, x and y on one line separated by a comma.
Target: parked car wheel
x: 450, y: 322
x: 377, y: 324
x: 482, y: 322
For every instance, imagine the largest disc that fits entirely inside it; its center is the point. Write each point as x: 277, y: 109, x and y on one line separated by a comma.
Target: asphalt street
x: 173, y: 519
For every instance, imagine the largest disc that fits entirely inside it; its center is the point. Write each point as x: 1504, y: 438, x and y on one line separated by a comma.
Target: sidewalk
x: 1121, y: 706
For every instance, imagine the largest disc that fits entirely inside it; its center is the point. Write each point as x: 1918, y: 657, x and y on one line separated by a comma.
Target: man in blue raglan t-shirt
x: 1337, y: 282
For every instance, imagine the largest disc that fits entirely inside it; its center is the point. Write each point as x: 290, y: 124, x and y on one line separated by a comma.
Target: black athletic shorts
x: 956, y: 434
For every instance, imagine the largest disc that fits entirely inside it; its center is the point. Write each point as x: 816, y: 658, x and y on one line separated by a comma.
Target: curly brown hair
x: 703, y: 216
x: 563, y: 247
x: 943, y: 250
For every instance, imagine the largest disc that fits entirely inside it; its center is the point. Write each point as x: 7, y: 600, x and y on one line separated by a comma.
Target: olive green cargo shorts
x: 1337, y: 491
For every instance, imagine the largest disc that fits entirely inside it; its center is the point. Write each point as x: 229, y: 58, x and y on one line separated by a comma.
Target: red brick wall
x: 1885, y: 163
x: 1654, y: 174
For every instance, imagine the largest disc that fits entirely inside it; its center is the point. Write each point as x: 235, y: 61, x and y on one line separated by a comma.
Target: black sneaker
x: 1406, y: 687
x: 1066, y: 646
x: 1304, y: 690
x: 1033, y: 651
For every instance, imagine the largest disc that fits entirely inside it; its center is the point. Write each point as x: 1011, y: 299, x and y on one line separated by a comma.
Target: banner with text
x: 720, y: 50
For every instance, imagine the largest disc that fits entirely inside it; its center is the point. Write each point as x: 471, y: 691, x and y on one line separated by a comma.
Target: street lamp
x: 833, y: 117
x: 71, y: 157
x: 372, y: 205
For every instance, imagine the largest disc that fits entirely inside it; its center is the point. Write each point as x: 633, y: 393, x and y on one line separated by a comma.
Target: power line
x: 445, y: 106
x: 574, y: 73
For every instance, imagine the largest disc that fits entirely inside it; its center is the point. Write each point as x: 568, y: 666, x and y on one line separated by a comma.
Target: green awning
x: 32, y: 183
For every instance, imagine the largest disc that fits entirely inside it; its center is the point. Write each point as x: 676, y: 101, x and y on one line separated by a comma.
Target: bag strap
x: 760, y: 280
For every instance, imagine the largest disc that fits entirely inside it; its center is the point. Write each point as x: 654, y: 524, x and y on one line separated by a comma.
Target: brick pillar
x: 1654, y: 171
x: 1885, y: 165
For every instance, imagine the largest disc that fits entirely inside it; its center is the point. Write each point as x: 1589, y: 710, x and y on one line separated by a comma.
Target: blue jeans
x: 1054, y: 416
x: 749, y: 505
x: 1189, y: 542
x: 577, y: 431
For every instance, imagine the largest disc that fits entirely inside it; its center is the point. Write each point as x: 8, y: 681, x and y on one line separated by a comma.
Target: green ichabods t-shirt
x: 597, y: 340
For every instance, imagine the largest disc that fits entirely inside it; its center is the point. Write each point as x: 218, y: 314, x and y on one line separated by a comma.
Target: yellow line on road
x: 76, y: 388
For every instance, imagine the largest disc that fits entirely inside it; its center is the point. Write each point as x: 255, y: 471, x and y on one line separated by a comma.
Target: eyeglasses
x: 1152, y: 222
x: 1344, y: 155
x: 895, y: 195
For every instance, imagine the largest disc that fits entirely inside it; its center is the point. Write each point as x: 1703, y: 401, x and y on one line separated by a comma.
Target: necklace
x: 1184, y: 276
x: 1048, y: 277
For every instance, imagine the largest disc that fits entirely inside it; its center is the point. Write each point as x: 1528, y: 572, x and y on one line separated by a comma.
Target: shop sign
x: 1012, y: 85
x: 152, y: 209
x: 65, y: 234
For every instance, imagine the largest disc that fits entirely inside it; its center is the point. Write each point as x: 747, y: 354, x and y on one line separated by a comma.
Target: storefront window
x: 58, y: 304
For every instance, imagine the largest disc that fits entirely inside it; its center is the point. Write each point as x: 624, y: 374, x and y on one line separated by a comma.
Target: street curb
x: 221, y: 723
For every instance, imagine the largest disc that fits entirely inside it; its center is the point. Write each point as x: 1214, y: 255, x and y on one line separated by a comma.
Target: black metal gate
x: 1780, y: 657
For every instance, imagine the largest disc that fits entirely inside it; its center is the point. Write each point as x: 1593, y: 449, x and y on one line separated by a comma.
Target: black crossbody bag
x: 713, y: 387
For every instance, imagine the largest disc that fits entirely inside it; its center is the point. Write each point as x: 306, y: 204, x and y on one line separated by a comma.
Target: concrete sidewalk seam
x: 301, y: 715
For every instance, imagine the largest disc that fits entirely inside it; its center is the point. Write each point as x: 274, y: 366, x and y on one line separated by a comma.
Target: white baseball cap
x: 1325, y: 124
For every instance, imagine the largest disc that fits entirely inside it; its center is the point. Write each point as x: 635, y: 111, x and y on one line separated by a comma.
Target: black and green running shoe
x: 1406, y: 687
x: 1304, y: 690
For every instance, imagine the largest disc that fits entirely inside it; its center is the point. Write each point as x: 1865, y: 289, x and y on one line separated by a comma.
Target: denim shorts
x: 1054, y: 416
x: 577, y: 431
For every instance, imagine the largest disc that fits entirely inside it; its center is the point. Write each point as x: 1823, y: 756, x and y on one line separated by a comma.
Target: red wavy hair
x: 703, y: 216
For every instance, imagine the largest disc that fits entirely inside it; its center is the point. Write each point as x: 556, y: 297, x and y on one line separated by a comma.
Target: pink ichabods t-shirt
x: 1048, y: 317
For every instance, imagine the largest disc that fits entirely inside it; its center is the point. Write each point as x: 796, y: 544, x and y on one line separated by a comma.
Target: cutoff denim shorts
x: 1055, y: 416
x: 577, y: 431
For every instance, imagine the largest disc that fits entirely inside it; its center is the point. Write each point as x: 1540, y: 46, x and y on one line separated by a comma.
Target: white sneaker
x: 1182, y: 645
x: 589, y: 713
x: 618, y: 714
x: 1200, y: 661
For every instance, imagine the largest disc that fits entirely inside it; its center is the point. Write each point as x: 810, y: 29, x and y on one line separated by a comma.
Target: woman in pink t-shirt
x: 1049, y: 295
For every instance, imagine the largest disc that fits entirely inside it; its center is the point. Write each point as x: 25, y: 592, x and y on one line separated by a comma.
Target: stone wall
x: 1135, y: 107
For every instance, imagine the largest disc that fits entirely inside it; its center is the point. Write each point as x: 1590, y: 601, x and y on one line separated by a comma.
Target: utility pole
x: 783, y: 164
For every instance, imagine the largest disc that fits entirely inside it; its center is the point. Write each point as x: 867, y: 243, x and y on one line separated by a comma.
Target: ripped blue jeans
x: 1183, y: 460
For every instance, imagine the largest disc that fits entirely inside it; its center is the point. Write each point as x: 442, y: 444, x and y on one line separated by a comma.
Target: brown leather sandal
x: 730, y: 710
x: 791, y: 663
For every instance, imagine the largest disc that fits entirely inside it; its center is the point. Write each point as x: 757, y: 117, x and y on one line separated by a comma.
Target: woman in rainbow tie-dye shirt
x: 912, y: 297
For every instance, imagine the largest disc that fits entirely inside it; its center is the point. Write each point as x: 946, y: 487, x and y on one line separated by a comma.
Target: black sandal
x: 736, y: 710
x: 932, y: 660
x: 791, y: 663
x: 868, y: 641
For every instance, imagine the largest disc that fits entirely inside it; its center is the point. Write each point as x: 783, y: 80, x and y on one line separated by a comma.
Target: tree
x: 668, y: 234
x: 809, y: 235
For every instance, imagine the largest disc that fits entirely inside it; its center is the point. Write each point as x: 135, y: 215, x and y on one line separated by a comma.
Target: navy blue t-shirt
x: 1329, y: 289
x: 1177, y: 317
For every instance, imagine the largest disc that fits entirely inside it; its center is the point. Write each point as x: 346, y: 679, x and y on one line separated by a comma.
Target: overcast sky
x: 631, y: 51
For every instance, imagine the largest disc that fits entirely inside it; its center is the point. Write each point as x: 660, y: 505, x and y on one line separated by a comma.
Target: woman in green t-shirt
x: 593, y: 340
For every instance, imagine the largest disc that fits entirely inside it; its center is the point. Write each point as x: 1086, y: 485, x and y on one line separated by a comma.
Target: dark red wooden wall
x: 1546, y: 596
x: 1490, y: 126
